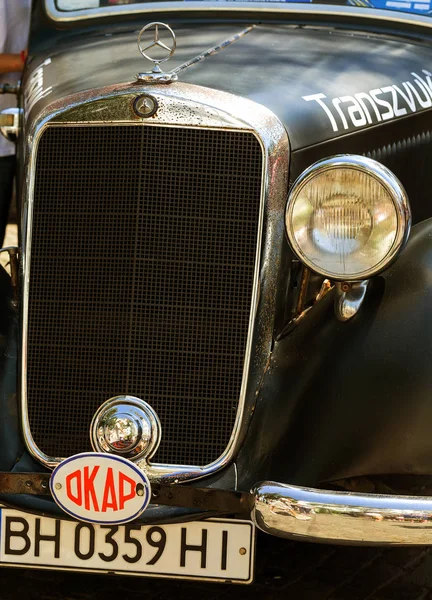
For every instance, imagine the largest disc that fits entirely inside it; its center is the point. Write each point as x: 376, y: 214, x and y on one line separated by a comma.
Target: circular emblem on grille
x: 127, y: 426
x: 145, y: 105
x: 153, y: 33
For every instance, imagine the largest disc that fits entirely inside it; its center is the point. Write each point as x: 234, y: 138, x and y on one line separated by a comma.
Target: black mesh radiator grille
x: 141, y: 275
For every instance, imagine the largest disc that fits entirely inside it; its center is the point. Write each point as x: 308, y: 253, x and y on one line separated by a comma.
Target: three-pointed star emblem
x: 157, y: 42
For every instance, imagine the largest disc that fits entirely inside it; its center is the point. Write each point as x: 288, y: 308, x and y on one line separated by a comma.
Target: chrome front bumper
x: 342, y: 517
x: 281, y: 510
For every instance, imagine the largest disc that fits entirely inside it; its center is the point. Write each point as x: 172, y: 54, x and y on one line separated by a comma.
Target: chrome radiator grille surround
x: 143, y: 254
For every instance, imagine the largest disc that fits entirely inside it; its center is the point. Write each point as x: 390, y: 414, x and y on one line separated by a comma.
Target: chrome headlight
x: 347, y: 217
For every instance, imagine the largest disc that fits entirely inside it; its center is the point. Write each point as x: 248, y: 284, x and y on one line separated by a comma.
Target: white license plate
x: 217, y: 549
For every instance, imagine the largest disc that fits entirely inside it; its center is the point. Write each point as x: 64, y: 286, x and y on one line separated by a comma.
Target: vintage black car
x: 217, y: 317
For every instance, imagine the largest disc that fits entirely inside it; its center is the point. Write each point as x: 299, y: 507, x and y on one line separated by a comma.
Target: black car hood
x: 275, y: 65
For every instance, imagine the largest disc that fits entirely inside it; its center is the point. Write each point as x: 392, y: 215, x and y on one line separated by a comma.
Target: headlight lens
x: 347, y: 217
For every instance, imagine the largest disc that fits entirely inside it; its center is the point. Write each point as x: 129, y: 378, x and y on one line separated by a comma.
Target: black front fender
x: 354, y: 398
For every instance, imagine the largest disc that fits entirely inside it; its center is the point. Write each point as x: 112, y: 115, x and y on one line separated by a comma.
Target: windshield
x: 422, y: 7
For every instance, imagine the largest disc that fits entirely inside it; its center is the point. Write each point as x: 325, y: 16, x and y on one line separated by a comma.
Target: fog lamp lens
x: 347, y: 217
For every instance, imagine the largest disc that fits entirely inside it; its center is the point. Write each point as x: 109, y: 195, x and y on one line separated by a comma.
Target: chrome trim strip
x: 180, y: 105
x: 294, y: 9
x: 213, y: 50
x: 342, y: 517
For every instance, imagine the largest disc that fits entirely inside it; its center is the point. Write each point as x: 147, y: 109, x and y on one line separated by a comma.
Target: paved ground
x: 284, y: 570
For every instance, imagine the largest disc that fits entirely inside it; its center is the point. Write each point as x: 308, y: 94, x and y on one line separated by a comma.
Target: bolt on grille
x: 142, y: 265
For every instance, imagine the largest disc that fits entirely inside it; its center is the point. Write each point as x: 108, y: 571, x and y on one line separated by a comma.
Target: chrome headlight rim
x: 386, y: 178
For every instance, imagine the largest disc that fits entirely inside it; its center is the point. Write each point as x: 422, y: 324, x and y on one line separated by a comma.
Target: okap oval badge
x: 100, y: 488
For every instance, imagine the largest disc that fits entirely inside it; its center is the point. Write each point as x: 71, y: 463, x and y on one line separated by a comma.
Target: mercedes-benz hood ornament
x: 157, y: 43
